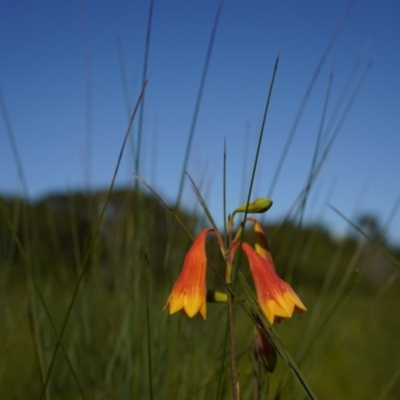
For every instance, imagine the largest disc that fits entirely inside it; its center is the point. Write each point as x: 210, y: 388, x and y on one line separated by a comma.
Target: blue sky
x: 44, y: 81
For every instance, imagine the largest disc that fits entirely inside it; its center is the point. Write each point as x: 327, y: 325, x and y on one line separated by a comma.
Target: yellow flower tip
x: 276, y: 298
x: 284, y: 304
x: 298, y: 304
x: 189, y: 292
x: 188, y: 303
x: 194, y: 305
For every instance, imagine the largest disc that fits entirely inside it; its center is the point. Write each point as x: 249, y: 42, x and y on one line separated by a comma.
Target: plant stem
x: 228, y: 279
x: 234, y: 376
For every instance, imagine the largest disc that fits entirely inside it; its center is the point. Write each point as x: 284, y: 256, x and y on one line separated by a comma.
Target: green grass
x: 106, y: 342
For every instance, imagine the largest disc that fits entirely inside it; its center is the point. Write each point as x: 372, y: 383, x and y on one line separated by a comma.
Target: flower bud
x: 258, y: 206
x: 214, y: 296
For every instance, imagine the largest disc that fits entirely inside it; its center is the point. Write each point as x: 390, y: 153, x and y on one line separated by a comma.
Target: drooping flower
x: 189, y: 291
x: 275, y: 297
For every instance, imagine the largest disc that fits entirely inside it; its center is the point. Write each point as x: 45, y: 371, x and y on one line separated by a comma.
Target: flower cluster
x: 276, y: 298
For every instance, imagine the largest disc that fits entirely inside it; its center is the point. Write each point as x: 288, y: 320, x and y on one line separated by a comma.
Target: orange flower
x: 276, y: 297
x: 189, y: 291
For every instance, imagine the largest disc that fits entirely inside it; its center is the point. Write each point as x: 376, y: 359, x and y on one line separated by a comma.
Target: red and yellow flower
x: 189, y: 291
x: 275, y: 297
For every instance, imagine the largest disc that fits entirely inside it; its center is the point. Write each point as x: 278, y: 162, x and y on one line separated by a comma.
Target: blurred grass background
x: 346, y: 345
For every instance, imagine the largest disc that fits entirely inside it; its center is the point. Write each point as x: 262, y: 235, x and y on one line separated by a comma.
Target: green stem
x: 234, y: 376
x: 148, y: 320
x: 228, y: 278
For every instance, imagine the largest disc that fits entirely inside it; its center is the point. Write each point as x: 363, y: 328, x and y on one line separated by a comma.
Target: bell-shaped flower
x: 275, y: 297
x: 189, y: 291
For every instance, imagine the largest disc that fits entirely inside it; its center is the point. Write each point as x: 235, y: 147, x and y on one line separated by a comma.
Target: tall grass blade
x: 46, y: 309
x: 224, y: 214
x: 389, y: 387
x: 224, y: 348
x: 298, y: 245
x: 165, y: 204
x: 198, y: 100
x: 202, y: 203
x: 307, y: 96
x: 260, y: 137
x: 88, y: 93
x: 92, y: 241
x: 372, y: 240
x: 347, y: 108
x: 14, y: 147
x: 144, y: 76
x: 122, y: 71
x: 148, y: 322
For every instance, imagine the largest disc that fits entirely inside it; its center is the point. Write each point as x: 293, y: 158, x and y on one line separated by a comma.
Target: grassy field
x: 119, y: 343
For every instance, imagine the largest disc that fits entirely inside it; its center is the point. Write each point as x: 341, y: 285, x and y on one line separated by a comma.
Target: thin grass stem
x: 144, y: 77
x: 33, y: 280
x: 269, y: 95
x: 148, y: 323
x: 224, y: 194
x: 307, y: 96
x: 92, y: 241
x: 198, y: 100
x: 234, y: 375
